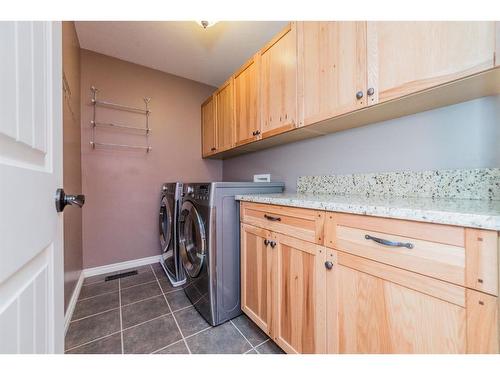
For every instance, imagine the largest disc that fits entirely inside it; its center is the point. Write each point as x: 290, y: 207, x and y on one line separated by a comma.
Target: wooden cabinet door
x: 224, y: 116
x: 482, y: 323
x: 383, y: 309
x: 256, y: 272
x: 208, y: 130
x: 279, y: 83
x: 246, y: 103
x: 299, y: 312
x: 405, y: 57
x: 331, y: 69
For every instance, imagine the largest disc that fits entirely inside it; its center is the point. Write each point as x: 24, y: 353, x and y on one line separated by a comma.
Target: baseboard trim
x: 72, y: 302
x: 120, y: 266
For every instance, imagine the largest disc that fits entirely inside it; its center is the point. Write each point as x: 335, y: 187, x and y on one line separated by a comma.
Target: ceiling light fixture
x: 206, y: 24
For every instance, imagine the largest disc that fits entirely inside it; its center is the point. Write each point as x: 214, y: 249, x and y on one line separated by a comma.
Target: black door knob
x: 62, y: 200
x: 328, y: 265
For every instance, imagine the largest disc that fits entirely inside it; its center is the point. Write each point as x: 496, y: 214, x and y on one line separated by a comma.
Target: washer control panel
x: 199, y: 192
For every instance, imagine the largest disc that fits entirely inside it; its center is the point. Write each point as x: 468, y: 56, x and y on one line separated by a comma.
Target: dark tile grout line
x: 168, y: 304
x: 121, y: 317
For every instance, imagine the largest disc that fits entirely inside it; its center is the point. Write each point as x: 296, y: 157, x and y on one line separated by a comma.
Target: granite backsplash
x: 457, y: 183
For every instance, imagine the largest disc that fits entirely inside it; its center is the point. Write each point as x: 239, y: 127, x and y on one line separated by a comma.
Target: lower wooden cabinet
x: 387, y: 311
x: 310, y: 298
x: 256, y: 274
x: 282, y: 288
x: 300, y: 299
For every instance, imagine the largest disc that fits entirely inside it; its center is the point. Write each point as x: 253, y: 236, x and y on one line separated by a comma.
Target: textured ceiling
x: 182, y: 48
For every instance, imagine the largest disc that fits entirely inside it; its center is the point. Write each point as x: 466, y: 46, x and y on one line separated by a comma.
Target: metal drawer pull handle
x: 272, y: 218
x: 381, y: 241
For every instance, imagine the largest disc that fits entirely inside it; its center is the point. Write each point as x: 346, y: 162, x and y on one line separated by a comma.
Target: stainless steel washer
x: 171, y: 197
x: 209, y: 245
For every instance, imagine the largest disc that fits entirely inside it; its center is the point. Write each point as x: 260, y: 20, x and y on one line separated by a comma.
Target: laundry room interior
x: 231, y: 177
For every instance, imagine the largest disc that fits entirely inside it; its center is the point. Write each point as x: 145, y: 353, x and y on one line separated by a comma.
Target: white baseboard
x: 120, y: 266
x: 72, y: 302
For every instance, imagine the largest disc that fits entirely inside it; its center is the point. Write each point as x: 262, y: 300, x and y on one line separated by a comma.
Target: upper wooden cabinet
x: 315, y: 78
x: 405, y: 57
x: 208, y: 130
x: 278, y: 82
x: 246, y: 102
x: 331, y: 69
x: 224, y: 116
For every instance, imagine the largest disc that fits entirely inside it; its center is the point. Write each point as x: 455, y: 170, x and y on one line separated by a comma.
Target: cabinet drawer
x: 433, y: 250
x: 300, y: 223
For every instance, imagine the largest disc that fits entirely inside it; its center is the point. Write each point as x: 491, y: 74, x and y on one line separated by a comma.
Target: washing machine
x: 170, y: 202
x: 209, y: 245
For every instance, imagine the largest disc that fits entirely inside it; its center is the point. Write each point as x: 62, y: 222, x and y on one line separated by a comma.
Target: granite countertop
x: 483, y: 214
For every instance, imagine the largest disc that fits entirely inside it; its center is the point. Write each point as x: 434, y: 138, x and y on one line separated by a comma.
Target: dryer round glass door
x: 192, y: 239
x: 166, y: 224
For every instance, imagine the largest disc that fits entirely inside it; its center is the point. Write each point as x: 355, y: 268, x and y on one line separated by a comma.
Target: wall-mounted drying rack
x: 94, y: 123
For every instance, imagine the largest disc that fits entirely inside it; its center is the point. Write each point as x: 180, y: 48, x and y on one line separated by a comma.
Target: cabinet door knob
x: 359, y: 95
x: 266, y: 242
x: 370, y: 91
x: 213, y: 149
x: 273, y: 244
x: 328, y: 265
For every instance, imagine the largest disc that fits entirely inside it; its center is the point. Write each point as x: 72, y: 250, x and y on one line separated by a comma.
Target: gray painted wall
x: 465, y: 135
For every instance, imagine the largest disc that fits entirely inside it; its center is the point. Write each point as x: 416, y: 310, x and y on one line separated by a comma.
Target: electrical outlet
x: 261, y: 178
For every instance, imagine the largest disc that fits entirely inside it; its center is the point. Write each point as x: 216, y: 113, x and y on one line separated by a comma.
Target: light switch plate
x: 261, y: 178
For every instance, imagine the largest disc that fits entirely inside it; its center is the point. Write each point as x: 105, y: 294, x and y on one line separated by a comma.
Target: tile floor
x: 145, y: 314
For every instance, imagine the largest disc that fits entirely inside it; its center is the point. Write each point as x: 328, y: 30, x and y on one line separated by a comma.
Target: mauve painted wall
x: 72, y: 170
x: 465, y: 135
x: 122, y: 187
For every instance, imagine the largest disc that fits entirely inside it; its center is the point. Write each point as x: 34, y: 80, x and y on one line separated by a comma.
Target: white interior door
x: 31, y: 257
